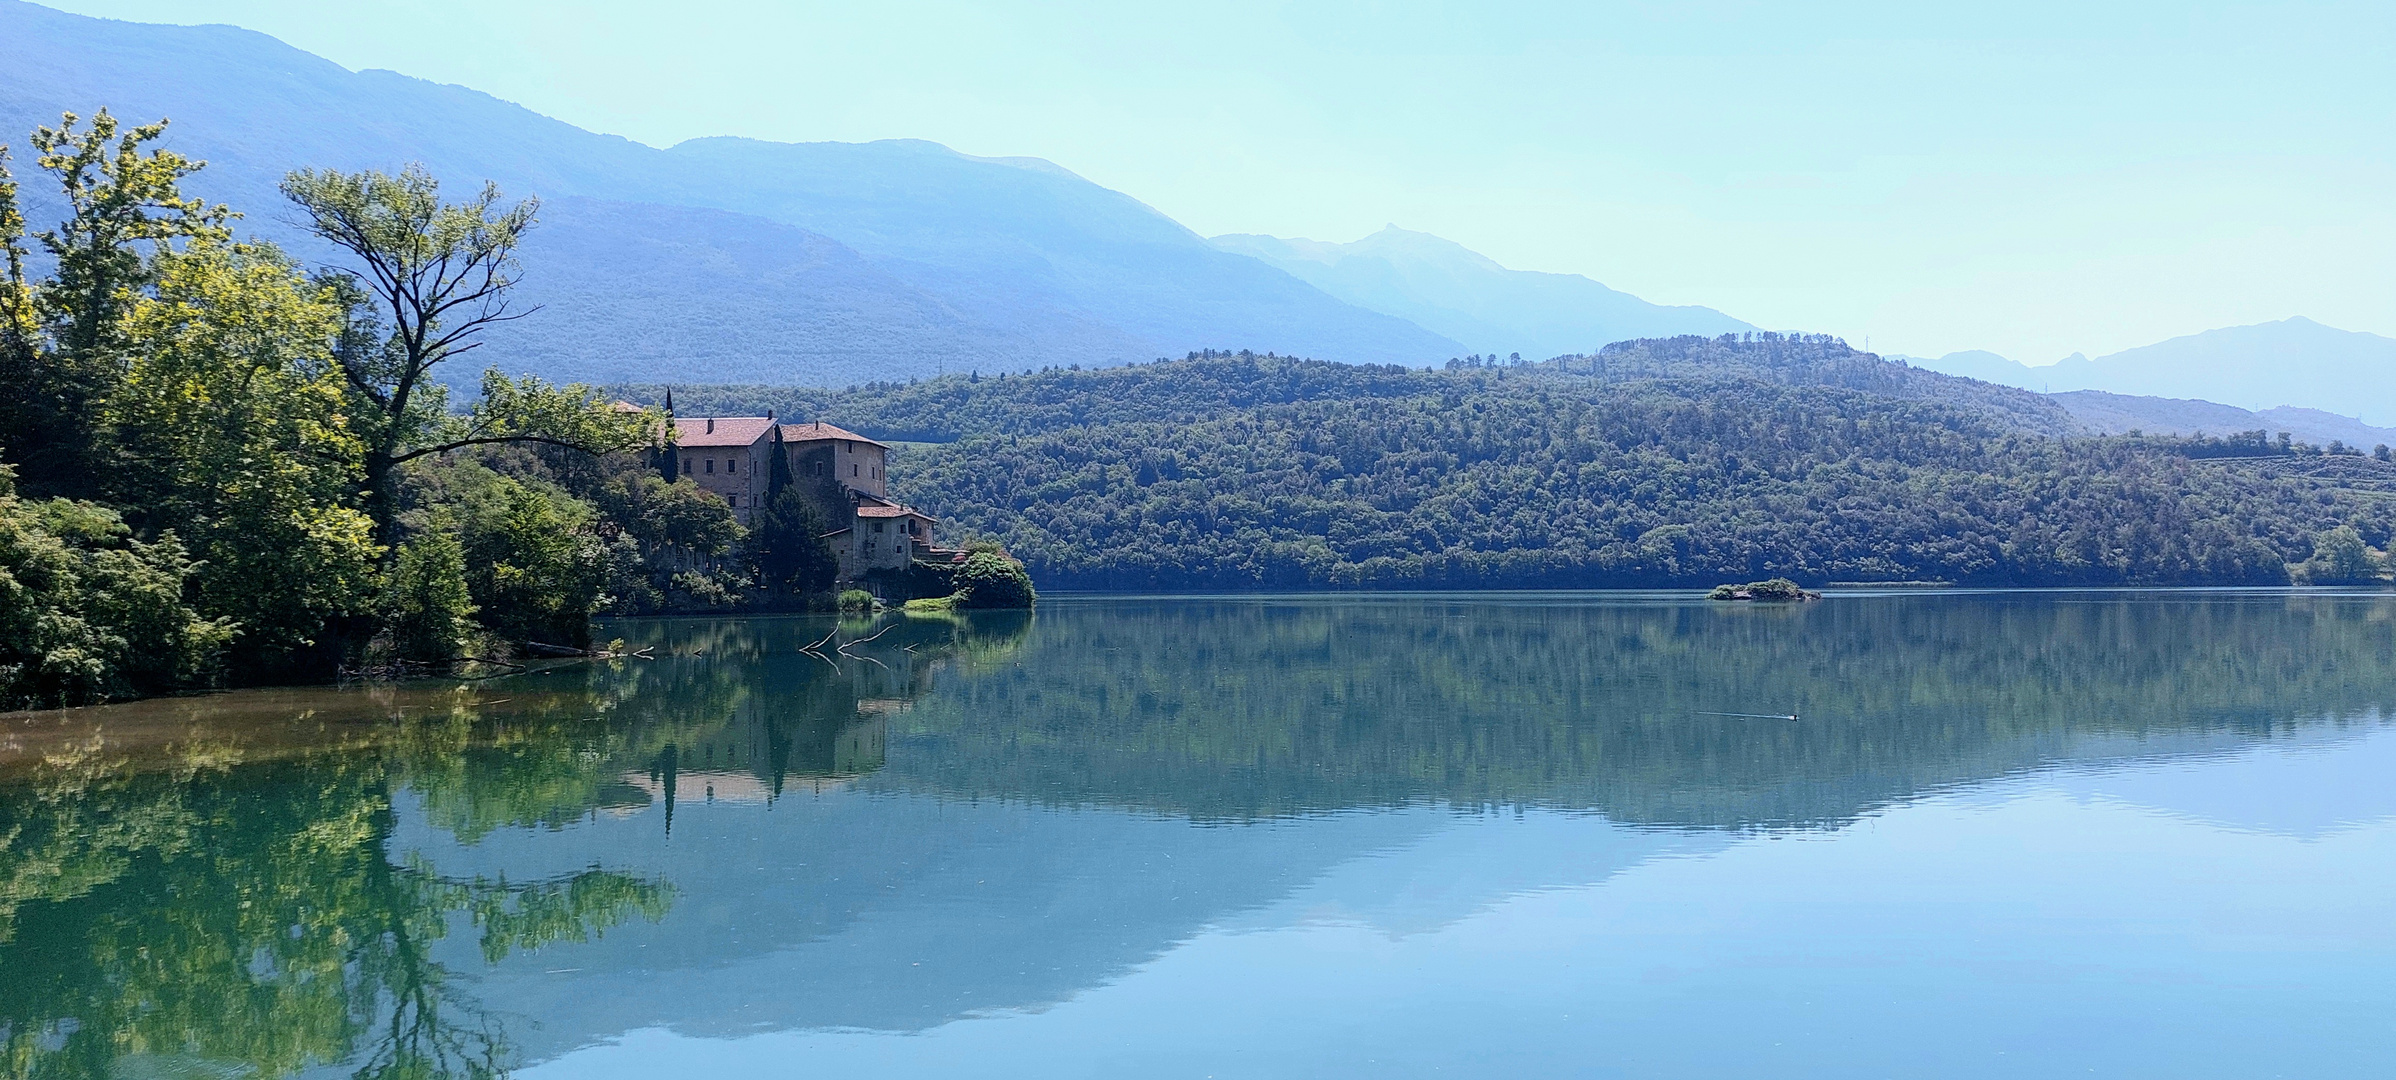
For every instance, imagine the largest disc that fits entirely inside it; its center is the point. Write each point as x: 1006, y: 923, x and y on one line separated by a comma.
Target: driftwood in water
x: 540, y: 648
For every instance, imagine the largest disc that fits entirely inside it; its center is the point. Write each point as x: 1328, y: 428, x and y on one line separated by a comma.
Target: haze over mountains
x: 1441, y: 285
x: 2294, y: 364
x: 740, y: 261
x: 817, y: 262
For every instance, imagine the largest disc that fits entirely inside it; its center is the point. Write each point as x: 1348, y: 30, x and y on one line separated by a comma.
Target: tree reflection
x: 216, y: 912
x: 234, y: 891
x: 1258, y: 708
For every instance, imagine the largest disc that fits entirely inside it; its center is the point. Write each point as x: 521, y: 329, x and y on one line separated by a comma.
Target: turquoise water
x: 2007, y: 834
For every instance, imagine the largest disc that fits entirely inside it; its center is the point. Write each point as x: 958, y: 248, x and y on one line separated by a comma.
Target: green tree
x: 2340, y: 557
x: 226, y: 425
x: 428, y: 608
x: 988, y: 580
x: 787, y: 546
x: 680, y: 533
x: 87, y: 612
x: 533, y: 562
x: 66, y: 337
x: 429, y: 277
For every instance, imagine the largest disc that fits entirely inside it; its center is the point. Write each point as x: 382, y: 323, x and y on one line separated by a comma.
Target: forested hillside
x: 1673, y: 462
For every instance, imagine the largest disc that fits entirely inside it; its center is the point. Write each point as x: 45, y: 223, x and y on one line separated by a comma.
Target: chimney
x: 711, y: 425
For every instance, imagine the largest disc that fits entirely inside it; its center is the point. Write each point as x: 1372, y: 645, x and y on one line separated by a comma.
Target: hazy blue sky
x: 2030, y: 177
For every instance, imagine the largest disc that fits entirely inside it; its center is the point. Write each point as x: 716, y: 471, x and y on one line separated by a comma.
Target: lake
x: 1939, y: 833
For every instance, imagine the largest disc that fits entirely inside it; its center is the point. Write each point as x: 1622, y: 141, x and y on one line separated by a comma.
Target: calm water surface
x: 2008, y: 835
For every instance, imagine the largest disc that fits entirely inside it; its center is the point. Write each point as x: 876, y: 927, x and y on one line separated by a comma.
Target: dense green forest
x: 1677, y: 462
x: 217, y: 465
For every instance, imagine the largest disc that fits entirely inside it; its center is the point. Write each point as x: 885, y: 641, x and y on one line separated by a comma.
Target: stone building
x: 842, y: 472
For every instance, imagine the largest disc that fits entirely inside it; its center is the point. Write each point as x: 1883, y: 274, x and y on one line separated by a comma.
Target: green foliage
x: 428, y: 608
x: 787, y: 547
x: 65, y: 336
x: 186, y: 382
x: 248, y: 430
x: 853, y: 601
x: 1706, y: 460
x: 1775, y: 589
x: 987, y: 580
x: 680, y: 534
x: 88, y: 613
x: 2340, y: 557
x: 226, y: 426
x: 441, y: 272
x: 534, y: 566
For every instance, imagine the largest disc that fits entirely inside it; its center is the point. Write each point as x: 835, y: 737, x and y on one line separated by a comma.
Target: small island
x: 1777, y: 590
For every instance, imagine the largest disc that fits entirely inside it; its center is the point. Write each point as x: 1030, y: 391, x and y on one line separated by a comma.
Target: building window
x: 735, y: 501
x: 877, y: 526
x: 711, y: 466
x: 852, y: 468
x: 731, y: 464
x: 686, y: 467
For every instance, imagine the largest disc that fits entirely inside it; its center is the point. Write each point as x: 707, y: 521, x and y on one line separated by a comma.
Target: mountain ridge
x: 1449, y: 288
x: 2293, y: 363
x: 1044, y: 267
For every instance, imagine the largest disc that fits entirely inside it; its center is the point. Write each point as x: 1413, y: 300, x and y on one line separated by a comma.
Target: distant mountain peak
x: 721, y: 258
x: 1440, y: 284
x: 2291, y: 363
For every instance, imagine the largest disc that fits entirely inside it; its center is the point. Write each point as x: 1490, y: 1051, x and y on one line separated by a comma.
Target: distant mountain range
x: 745, y: 261
x: 2114, y: 414
x: 1440, y: 285
x: 2295, y: 363
x: 718, y: 258
x: 738, y: 261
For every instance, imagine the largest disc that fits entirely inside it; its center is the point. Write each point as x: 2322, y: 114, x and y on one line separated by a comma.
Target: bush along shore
x: 1777, y: 590
x: 218, y: 466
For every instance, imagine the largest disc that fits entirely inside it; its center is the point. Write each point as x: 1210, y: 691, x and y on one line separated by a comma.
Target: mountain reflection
x: 998, y: 811
x: 1247, y: 709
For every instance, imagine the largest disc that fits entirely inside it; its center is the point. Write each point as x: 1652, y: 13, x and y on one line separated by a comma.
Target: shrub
x: 852, y: 600
x: 1775, y: 589
x: 88, y: 613
x: 990, y: 580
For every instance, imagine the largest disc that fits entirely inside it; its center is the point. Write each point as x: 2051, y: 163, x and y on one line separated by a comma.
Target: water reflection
x: 978, y: 816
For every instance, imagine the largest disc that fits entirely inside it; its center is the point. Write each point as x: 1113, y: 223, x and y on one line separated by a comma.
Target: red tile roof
x: 729, y: 430
x: 821, y: 432
x: 893, y: 512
